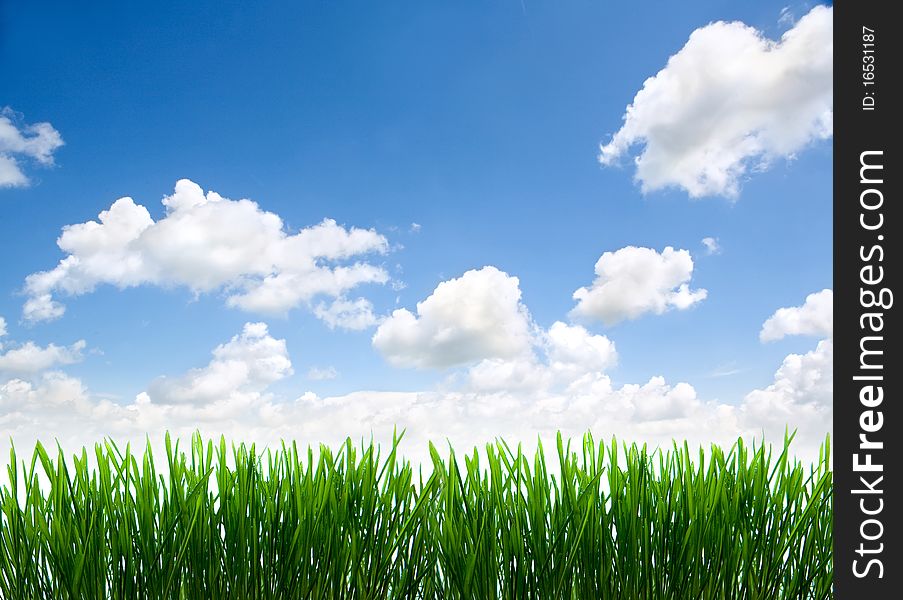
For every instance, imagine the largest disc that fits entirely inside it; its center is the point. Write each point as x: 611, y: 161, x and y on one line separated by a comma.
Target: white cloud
x: 633, y: 281
x: 563, y: 355
x: 560, y: 387
x: 322, y: 373
x: 476, y: 316
x: 574, y: 351
x: 800, y: 397
x: 36, y: 400
x: 11, y: 174
x: 558, y: 381
x: 53, y: 403
x: 802, y: 379
x: 239, y: 372
x: 35, y: 142
x: 347, y: 314
x: 230, y: 394
x: 711, y: 245
x: 730, y: 100
x: 2, y: 327
x: 206, y: 243
x: 815, y: 317
x: 29, y: 358
x: 519, y: 403
x: 567, y: 388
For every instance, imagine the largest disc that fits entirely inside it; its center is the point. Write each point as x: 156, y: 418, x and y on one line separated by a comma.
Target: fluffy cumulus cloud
x: 239, y: 372
x: 561, y: 356
x: 815, y: 317
x: 801, y: 396
x: 348, y: 314
x: 21, y: 142
x: 476, y: 316
x: 35, y: 397
x: 29, y: 358
x: 729, y: 101
x: 49, y: 404
x: 573, y: 350
x: 207, y: 243
x: 633, y: 281
x: 564, y: 385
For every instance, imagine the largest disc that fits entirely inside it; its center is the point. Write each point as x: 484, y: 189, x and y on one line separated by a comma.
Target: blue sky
x: 479, y: 121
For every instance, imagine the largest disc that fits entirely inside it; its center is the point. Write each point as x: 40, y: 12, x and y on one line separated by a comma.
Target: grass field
x: 596, y: 521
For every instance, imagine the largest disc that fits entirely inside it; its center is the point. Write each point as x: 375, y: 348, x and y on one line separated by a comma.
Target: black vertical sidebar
x: 868, y: 440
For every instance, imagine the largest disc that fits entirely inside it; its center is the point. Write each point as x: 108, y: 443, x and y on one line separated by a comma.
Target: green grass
x: 597, y: 521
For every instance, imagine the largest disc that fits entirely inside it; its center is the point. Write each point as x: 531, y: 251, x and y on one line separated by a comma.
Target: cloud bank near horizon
x: 556, y: 380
